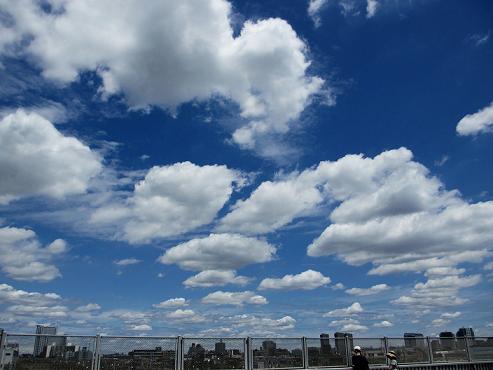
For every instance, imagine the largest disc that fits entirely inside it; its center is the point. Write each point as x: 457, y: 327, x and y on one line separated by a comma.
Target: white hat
x: 357, y: 348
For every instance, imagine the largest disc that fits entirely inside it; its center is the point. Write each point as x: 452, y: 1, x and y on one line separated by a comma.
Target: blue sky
x: 246, y: 167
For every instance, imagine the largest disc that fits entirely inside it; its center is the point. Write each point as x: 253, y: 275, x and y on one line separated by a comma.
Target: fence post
x: 348, y: 351
x: 249, y: 354
x: 386, y: 349
x: 3, y: 338
x: 468, y: 350
x: 305, y: 352
x: 96, y: 358
x: 430, y: 351
x: 246, y: 351
x: 177, y: 353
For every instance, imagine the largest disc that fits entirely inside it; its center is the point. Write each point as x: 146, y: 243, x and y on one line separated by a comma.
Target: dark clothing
x: 360, y: 362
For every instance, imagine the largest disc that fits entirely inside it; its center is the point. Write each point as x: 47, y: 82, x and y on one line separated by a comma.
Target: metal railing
x: 79, y: 352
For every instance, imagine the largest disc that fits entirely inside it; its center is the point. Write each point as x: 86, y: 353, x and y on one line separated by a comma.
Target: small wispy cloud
x: 127, y: 261
x: 479, y: 39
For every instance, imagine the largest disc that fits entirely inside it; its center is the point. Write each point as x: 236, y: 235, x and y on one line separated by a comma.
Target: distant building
x: 196, y: 351
x: 447, y: 340
x: 10, y: 353
x: 340, y: 339
x: 414, y: 340
x: 40, y: 342
x: 324, y: 343
x: 220, y: 348
x: 465, y: 332
x: 269, y: 346
x: 148, y: 354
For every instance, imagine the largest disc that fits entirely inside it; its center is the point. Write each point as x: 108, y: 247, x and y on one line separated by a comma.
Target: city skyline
x: 233, y: 168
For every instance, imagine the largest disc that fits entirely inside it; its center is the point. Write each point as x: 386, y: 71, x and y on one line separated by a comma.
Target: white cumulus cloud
x: 171, y: 303
x: 185, y: 316
x: 234, y: 298
x: 476, y: 123
x: 169, y: 53
x: 383, y: 324
x: 170, y: 201
x: 353, y: 309
x: 22, y: 256
x: 375, y: 289
x: 306, y: 280
x: 210, y: 278
x: 37, y: 159
x: 219, y: 252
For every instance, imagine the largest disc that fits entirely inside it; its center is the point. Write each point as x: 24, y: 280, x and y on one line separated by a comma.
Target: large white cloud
x: 171, y: 52
x: 22, y: 257
x: 274, y: 204
x: 36, y: 159
x: 170, y: 201
x: 234, y: 298
x: 393, y: 211
x: 219, y: 252
x: 307, y: 280
x: 365, y: 188
x: 476, y: 123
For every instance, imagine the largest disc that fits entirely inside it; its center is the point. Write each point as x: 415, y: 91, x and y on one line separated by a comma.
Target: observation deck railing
x: 98, y: 352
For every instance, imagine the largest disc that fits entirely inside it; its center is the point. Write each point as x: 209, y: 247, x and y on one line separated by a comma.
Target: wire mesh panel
x: 372, y: 348
x: 481, y: 349
x: 409, y: 350
x: 326, y: 352
x: 53, y: 352
x: 127, y: 353
x: 446, y: 349
x: 277, y: 353
x: 214, y: 353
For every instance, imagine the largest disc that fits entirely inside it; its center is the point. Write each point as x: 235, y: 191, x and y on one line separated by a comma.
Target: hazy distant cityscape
x: 47, y: 350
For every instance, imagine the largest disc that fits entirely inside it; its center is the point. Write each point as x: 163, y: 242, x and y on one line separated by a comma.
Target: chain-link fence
x: 410, y: 350
x: 64, y: 352
x: 277, y: 353
x: 214, y: 353
x: 449, y: 349
x: 480, y: 348
x: 137, y: 353
x: 324, y: 352
x: 53, y: 352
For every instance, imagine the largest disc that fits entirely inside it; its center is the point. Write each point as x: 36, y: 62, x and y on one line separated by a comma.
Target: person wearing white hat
x: 359, y: 360
x: 392, y: 356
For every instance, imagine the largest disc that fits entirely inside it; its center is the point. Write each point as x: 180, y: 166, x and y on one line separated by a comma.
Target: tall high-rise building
x: 220, y: 348
x: 465, y: 332
x: 324, y: 343
x: 340, y: 339
x: 41, y: 341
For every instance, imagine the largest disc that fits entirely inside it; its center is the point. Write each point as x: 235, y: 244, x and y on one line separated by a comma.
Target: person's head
x: 392, y: 355
x: 357, y: 349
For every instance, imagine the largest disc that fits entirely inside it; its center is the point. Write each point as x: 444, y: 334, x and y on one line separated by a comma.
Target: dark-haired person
x: 359, y: 360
